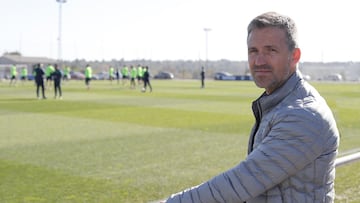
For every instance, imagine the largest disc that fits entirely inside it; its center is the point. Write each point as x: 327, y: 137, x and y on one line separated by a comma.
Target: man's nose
x: 260, y: 59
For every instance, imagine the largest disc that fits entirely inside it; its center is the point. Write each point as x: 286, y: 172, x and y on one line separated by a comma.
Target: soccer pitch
x: 116, y: 144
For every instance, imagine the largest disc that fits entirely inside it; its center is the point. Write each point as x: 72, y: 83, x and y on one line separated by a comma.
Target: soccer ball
x: 143, y: 89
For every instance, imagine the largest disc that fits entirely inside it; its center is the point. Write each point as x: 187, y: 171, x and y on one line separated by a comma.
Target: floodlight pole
x: 59, y: 37
x: 206, y: 46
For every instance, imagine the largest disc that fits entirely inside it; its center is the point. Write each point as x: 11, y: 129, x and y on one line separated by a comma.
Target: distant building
x: 6, y: 61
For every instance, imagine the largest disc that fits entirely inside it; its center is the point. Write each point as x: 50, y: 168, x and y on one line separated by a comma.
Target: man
x: 48, y: 71
x: 294, y: 142
x: 56, y: 76
x: 24, y: 74
x: 202, y: 75
x: 111, y: 74
x: 117, y: 74
x: 13, y: 72
x: 66, y: 71
x: 39, y: 80
x: 146, y: 78
x: 140, y: 73
x: 88, y: 75
x: 133, y: 75
x: 125, y: 74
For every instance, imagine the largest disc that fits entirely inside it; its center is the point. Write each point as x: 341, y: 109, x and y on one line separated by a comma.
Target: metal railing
x: 338, y: 162
x: 347, y: 159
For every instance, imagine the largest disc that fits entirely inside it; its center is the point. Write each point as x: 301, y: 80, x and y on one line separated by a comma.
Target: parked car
x: 306, y: 77
x: 244, y: 77
x: 229, y: 76
x: 94, y: 77
x: 164, y: 75
x: 224, y: 76
x: 77, y: 76
x: 30, y: 77
x: 333, y: 77
x: 102, y: 76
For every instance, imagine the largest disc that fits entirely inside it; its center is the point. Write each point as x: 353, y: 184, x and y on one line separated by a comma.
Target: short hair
x: 273, y: 19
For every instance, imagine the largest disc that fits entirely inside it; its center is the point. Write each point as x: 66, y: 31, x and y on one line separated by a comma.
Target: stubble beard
x: 273, y: 81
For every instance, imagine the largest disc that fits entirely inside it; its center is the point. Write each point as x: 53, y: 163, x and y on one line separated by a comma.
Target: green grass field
x: 115, y: 144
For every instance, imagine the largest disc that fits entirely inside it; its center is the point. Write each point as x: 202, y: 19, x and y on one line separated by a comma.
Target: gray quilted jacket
x: 292, y: 150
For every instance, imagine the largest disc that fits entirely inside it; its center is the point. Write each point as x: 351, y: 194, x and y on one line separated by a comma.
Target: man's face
x: 270, y: 61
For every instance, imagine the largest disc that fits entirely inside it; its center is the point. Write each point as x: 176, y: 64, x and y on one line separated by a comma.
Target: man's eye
x: 252, y: 51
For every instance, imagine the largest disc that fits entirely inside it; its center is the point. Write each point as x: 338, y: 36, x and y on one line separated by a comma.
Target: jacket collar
x: 267, y: 102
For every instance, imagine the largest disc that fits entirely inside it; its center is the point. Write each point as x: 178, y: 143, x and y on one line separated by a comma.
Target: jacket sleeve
x: 294, y: 140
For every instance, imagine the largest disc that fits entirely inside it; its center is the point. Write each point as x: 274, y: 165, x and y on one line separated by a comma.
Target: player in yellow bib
x: 88, y: 75
x: 111, y: 74
x: 140, y: 73
x: 24, y: 74
x: 13, y: 75
x: 48, y: 71
x: 133, y: 75
x: 125, y: 74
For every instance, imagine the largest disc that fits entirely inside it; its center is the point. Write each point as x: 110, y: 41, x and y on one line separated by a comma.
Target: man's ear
x: 296, y: 56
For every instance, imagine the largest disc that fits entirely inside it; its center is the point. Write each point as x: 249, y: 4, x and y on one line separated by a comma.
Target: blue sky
x: 171, y: 29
